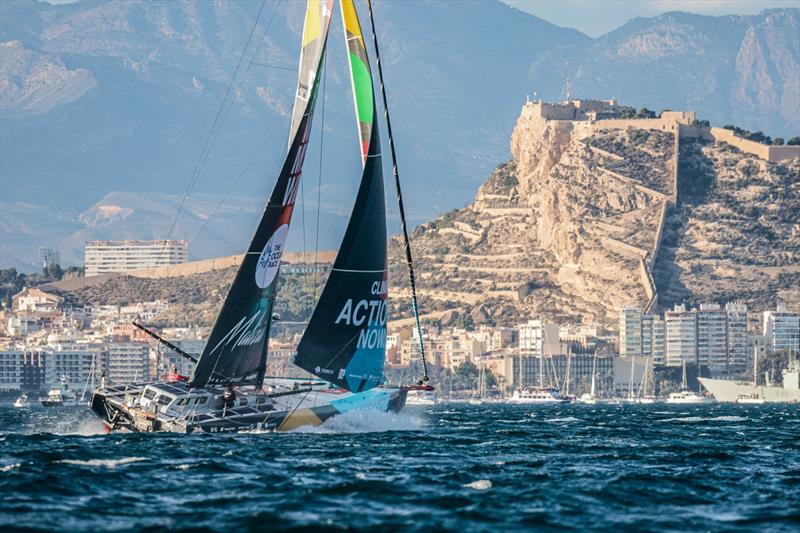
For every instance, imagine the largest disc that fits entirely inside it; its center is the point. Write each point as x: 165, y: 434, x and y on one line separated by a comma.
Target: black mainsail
x: 236, y: 350
x: 345, y: 341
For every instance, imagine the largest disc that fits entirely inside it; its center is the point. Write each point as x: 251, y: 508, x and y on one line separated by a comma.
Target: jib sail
x: 236, y: 350
x: 345, y: 341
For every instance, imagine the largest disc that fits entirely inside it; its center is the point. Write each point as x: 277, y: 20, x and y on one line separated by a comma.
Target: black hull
x: 118, y: 416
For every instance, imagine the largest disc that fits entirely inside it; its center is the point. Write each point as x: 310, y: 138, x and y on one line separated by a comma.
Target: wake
x: 366, y: 422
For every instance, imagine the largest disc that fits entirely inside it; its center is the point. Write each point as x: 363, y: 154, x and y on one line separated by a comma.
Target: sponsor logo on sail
x: 270, y: 259
x: 246, y: 332
x: 370, y: 314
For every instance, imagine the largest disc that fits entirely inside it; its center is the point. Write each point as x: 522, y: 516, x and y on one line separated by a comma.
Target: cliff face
x: 736, y: 231
x: 571, y: 228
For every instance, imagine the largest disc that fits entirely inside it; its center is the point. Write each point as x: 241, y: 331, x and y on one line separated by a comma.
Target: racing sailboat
x: 345, y: 341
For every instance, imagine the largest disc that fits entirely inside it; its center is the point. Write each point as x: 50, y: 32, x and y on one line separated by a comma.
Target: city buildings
x: 539, y: 338
x: 681, y: 336
x: 782, y: 328
x: 106, y: 257
x: 128, y: 361
x: 642, y: 335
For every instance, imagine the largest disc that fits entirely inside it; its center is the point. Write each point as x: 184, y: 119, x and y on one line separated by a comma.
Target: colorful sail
x: 345, y: 341
x: 360, y: 74
x: 236, y: 350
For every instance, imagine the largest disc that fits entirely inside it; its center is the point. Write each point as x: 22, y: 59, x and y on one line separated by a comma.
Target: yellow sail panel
x: 315, y: 32
x: 351, y: 24
x: 313, y: 26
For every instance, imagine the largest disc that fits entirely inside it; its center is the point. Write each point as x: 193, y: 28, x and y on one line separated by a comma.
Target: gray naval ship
x: 725, y: 390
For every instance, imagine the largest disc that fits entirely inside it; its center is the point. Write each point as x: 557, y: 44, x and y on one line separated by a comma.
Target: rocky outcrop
x: 572, y: 228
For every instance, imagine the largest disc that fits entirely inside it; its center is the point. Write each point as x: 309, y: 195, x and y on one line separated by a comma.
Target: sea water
x: 446, y: 467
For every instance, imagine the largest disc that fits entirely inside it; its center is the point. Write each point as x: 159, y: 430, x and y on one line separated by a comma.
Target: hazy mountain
x: 735, y: 69
x: 107, y: 96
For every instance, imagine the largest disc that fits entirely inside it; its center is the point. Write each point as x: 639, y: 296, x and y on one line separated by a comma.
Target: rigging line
x: 319, y: 175
x: 407, y: 244
x: 278, y: 67
x: 235, y: 184
x: 211, y: 135
x: 263, y: 35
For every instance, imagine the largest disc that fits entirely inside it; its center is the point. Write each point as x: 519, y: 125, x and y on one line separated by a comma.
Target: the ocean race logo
x: 270, y: 259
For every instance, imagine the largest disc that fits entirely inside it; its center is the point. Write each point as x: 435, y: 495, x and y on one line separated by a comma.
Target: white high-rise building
x: 738, y: 350
x: 681, y: 336
x: 709, y: 336
x: 539, y: 338
x: 712, y: 339
x: 128, y: 361
x: 782, y: 328
x: 81, y: 365
x: 107, y: 257
x: 630, y: 332
x: 641, y: 335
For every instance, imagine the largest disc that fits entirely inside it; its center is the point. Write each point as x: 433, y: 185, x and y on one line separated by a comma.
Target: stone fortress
x: 592, y: 116
x: 572, y: 226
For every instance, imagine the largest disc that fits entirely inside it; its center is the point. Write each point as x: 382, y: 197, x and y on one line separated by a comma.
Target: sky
x: 596, y: 17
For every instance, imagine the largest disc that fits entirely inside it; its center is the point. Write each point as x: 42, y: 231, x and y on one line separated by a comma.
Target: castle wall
x: 773, y: 154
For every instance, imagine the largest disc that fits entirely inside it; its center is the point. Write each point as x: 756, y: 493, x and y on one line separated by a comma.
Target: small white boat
x: 420, y: 397
x: 590, y: 398
x: 537, y: 395
x: 685, y: 395
x: 22, y: 401
x: 587, y: 398
x: 60, y: 396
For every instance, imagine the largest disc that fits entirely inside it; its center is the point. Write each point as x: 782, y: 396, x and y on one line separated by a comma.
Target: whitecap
x: 704, y: 419
x: 105, y: 463
x: 9, y: 468
x: 683, y: 419
x: 566, y: 419
x: 481, y: 484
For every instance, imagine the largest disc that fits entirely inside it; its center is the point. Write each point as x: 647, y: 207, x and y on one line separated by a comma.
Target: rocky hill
x: 736, y: 231
x: 587, y: 218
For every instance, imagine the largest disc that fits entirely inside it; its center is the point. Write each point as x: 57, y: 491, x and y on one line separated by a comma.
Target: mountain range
x: 107, y: 106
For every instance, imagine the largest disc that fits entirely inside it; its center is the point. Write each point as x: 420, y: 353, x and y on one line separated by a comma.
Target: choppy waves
x: 452, y: 467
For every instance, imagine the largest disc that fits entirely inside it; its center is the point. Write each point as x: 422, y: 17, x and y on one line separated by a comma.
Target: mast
x: 566, y: 379
x: 643, y: 384
x: 630, y: 384
x: 684, y: 383
x: 594, y: 373
x: 406, y: 241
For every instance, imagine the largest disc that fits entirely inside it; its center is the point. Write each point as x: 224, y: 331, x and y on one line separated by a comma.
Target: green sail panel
x: 345, y: 341
x: 236, y: 350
